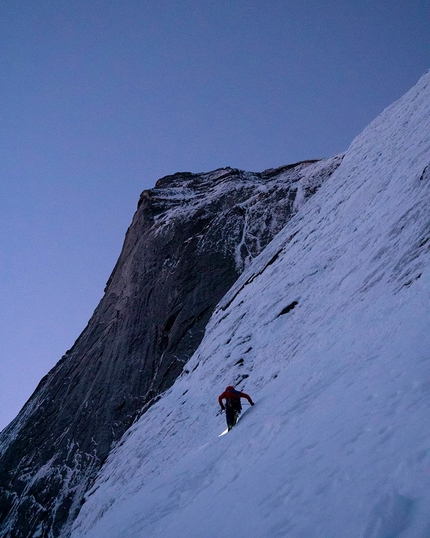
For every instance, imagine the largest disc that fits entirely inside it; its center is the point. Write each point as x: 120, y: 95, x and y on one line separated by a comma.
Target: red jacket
x: 231, y: 392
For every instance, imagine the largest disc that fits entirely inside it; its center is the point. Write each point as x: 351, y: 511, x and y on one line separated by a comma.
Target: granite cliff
x: 190, y: 239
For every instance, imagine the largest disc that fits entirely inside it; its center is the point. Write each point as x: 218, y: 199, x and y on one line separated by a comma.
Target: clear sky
x: 100, y: 98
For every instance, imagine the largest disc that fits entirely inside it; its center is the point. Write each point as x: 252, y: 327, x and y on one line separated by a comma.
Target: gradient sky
x: 100, y: 98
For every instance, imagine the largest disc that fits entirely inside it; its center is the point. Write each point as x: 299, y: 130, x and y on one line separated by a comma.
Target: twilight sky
x: 100, y: 98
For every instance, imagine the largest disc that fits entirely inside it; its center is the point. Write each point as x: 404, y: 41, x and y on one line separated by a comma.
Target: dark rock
x: 189, y: 240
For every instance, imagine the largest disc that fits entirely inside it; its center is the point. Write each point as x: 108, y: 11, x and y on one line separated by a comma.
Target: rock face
x: 190, y: 239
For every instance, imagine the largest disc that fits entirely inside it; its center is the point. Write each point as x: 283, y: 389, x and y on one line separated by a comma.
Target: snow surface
x: 338, y: 443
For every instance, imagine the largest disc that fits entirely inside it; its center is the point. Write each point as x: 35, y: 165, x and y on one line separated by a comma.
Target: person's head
x: 230, y: 387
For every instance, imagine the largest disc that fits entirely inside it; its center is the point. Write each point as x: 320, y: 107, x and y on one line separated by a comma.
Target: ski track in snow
x: 338, y: 443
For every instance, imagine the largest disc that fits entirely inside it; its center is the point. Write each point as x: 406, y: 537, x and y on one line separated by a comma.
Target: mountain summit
x: 190, y: 239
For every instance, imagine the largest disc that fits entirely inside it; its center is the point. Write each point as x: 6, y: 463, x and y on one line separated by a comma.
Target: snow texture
x: 332, y: 324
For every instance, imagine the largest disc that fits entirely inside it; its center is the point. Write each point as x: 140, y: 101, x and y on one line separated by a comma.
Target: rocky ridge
x: 190, y: 239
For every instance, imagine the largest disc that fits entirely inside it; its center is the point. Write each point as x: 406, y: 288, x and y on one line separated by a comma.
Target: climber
x: 232, y: 406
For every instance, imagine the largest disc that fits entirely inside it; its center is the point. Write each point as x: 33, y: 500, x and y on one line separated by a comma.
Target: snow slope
x: 332, y: 323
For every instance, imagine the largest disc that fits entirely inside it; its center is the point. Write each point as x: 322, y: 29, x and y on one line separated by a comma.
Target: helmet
x: 230, y: 387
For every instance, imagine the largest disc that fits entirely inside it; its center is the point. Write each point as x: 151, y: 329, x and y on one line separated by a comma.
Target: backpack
x: 233, y: 403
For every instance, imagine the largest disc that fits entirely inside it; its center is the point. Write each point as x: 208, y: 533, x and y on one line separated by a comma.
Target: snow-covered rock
x: 328, y: 331
x: 190, y: 239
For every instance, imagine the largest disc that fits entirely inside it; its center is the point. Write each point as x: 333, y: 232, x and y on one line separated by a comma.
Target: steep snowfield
x: 338, y: 443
